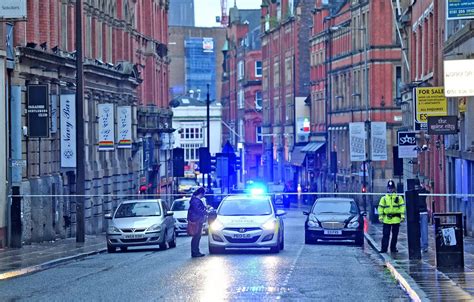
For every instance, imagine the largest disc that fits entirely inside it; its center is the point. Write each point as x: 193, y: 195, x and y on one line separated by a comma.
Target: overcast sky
x: 205, y: 11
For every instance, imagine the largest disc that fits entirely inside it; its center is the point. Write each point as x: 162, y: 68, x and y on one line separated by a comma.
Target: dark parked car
x: 334, y: 218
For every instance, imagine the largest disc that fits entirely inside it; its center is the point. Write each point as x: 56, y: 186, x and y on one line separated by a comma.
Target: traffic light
x: 238, y: 163
x: 212, y: 163
x: 364, y: 189
x: 204, y: 160
x: 178, y: 162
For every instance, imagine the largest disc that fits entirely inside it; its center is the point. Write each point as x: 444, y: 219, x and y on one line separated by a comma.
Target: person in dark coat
x: 197, y: 213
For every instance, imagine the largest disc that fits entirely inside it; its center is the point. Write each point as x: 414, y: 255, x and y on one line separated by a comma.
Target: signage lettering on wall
x: 124, y: 127
x: 106, y: 127
x: 38, y: 111
x: 67, y: 116
x: 13, y: 10
x: 441, y: 125
x: 458, y: 78
x: 459, y: 9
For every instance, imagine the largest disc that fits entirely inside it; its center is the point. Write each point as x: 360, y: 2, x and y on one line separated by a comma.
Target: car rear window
x: 245, y: 207
x: 138, y: 209
x: 344, y: 207
x: 180, y: 205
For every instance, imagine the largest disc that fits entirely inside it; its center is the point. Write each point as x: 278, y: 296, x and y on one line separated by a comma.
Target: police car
x: 247, y: 221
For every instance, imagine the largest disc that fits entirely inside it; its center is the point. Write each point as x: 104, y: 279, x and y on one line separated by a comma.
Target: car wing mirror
x: 305, y: 213
x: 169, y: 213
x: 280, y: 213
x: 108, y: 216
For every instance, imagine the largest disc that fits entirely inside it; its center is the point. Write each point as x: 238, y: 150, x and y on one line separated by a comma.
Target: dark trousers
x: 386, y: 235
x: 195, y: 242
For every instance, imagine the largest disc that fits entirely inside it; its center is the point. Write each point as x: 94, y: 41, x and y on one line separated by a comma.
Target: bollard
x: 413, y: 224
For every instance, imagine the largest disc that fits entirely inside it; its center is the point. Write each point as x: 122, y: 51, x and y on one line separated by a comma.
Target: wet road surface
x: 324, y: 272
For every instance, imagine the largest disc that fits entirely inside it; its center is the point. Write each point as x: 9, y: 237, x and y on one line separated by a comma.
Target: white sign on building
x: 458, y: 78
x: 124, y: 126
x: 407, y: 144
x: 357, y: 141
x: 106, y: 127
x: 13, y: 10
x: 67, y: 108
x: 378, y: 131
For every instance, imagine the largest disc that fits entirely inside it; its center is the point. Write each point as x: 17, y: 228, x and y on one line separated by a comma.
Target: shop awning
x: 297, y: 156
x: 312, y: 147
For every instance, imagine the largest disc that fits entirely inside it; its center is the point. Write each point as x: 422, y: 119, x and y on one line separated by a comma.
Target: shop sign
x: 441, y: 125
x: 106, y: 127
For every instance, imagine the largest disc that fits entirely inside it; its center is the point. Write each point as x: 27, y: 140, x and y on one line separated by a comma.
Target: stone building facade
x: 125, y: 64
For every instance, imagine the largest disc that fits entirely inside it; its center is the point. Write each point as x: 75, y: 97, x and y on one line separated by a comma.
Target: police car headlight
x: 269, y: 225
x: 353, y: 224
x: 216, y: 226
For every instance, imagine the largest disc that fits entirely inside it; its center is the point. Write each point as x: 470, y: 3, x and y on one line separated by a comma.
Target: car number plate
x: 332, y: 232
x: 133, y: 236
x: 241, y: 236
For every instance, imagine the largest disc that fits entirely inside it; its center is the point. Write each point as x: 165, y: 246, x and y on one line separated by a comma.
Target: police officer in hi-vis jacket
x: 391, y: 213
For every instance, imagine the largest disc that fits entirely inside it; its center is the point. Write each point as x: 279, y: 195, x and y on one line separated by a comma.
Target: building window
x: 64, y: 27
x: 241, y: 96
x: 241, y: 70
x: 192, y: 133
x: 258, y: 69
x: 398, y: 81
x: 259, y: 137
x: 258, y: 100
x: 191, y: 151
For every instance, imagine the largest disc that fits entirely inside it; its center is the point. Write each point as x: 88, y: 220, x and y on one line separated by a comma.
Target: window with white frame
x: 241, y: 96
x: 258, y: 69
x: 191, y: 140
x: 191, y: 151
x: 258, y: 100
x: 240, y: 71
x: 259, y: 136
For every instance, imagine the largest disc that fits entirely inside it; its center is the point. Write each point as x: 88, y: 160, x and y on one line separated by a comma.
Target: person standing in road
x: 391, y: 211
x: 423, y: 217
x: 196, y: 216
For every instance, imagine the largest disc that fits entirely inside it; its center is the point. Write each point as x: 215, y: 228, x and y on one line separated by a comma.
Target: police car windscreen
x: 247, y: 207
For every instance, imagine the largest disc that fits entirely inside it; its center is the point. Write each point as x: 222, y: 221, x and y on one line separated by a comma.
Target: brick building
x: 422, y: 26
x: 355, y: 72
x: 126, y: 69
x: 285, y: 77
x: 242, y: 93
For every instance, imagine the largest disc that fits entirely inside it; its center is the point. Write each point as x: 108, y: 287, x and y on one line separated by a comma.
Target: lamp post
x: 80, y: 178
x: 208, y: 117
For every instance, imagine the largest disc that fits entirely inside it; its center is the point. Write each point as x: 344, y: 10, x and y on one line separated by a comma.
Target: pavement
x: 40, y: 256
x: 421, y: 279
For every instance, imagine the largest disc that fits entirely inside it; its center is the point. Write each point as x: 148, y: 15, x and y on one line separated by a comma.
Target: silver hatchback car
x: 141, y: 222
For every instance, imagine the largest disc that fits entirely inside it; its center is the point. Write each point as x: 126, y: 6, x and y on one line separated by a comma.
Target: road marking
x: 290, y: 271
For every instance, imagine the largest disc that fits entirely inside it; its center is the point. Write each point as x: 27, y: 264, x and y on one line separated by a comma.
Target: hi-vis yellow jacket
x: 391, y: 209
